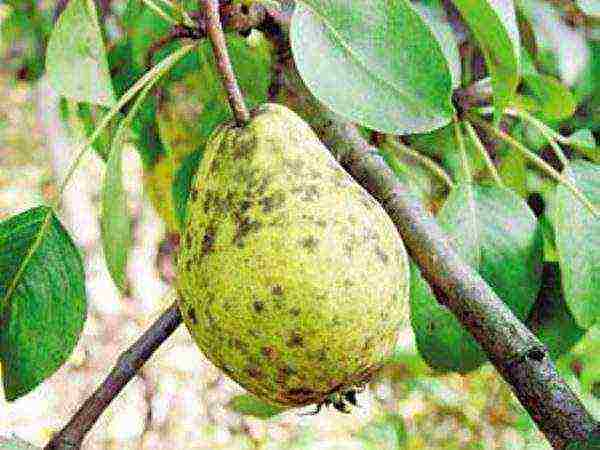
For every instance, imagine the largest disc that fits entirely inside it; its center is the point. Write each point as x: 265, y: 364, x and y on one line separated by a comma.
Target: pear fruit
x: 291, y: 278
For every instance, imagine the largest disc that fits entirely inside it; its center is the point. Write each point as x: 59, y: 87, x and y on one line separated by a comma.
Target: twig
x: 484, y: 154
x: 130, y: 361
x: 217, y: 38
x: 515, y: 352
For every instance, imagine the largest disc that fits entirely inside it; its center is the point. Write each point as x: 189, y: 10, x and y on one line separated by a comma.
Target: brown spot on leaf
x: 269, y: 203
x: 245, y: 225
x: 194, y: 194
x: 348, y: 249
x: 295, y: 312
x: 321, y: 223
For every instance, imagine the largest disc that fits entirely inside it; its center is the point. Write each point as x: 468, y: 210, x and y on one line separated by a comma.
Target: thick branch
x: 130, y: 361
x: 515, y: 352
x: 214, y: 30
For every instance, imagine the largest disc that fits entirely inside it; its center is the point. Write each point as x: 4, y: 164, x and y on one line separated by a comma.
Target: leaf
x: 374, y: 62
x: 76, y: 59
x: 43, y: 299
x: 249, y: 405
x: 494, y: 24
x: 513, y: 172
x: 584, y: 141
x: 432, y: 12
x: 592, y: 443
x: 554, y: 100
x: 550, y: 318
x: 115, y: 226
x: 183, y: 183
x: 504, y: 247
x: 578, y: 242
x: 562, y: 49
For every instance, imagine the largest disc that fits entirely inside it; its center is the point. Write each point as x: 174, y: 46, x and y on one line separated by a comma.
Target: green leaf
x: 584, y: 141
x: 432, y: 12
x: 43, y: 299
x: 494, y: 24
x: 578, y: 242
x: 550, y: 318
x: 504, y: 247
x: 76, y: 59
x: 182, y: 184
x: 553, y: 99
x: 374, y: 62
x: 513, y: 172
x: 249, y: 405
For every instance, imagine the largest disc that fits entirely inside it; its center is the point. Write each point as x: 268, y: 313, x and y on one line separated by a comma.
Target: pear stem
x: 215, y: 33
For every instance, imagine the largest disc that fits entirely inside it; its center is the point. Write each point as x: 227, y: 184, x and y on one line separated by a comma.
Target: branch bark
x: 214, y: 30
x: 130, y: 361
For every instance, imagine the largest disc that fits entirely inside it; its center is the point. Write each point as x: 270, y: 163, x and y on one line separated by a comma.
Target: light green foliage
x: 292, y: 278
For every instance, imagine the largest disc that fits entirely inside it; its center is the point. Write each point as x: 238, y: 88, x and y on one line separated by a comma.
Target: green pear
x: 292, y: 279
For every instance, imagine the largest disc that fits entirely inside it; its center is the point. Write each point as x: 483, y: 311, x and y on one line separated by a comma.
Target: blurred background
x: 179, y: 400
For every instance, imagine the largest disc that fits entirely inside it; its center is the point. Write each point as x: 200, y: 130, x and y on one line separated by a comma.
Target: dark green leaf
x: 504, y: 247
x: 43, y: 299
x: 592, y: 443
x: 550, y: 318
x: 76, y: 59
x: 388, y: 59
x: 578, y: 242
x: 249, y: 405
x: 183, y: 183
x: 494, y: 25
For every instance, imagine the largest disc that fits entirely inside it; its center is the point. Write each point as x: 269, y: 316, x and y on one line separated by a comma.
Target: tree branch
x: 130, y: 361
x: 520, y: 358
x: 217, y: 39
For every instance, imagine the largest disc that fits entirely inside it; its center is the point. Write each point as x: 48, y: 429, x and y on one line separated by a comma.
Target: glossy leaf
x: 494, y: 24
x: 249, y: 405
x: 578, y: 243
x: 376, y: 63
x: 42, y: 299
x: 76, y: 59
x: 504, y: 247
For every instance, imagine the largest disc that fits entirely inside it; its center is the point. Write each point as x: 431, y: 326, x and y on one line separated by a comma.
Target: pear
x: 292, y: 279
